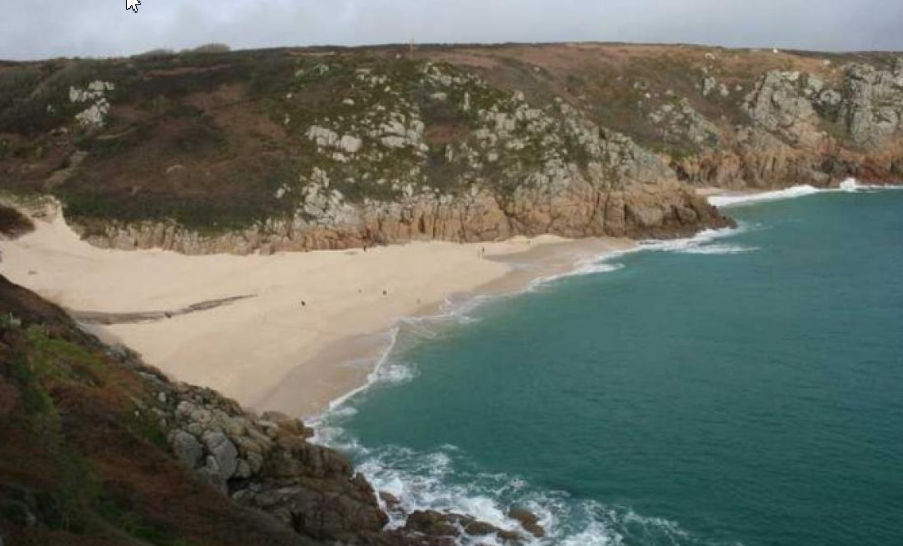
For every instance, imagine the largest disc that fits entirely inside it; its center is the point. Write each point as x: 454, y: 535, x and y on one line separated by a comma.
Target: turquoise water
x: 746, y: 389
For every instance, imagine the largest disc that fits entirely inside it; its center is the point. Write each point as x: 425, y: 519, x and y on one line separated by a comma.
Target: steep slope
x: 84, y: 457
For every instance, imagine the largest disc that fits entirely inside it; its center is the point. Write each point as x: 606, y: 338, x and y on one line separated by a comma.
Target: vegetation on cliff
x: 83, y: 458
x: 297, y: 149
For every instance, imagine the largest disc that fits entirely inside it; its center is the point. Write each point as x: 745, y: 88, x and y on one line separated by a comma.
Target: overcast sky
x: 31, y: 29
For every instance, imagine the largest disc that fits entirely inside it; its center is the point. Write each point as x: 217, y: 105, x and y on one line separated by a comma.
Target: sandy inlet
x: 287, y: 332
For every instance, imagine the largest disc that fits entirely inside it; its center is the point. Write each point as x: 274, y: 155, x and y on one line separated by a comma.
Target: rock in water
x: 528, y: 520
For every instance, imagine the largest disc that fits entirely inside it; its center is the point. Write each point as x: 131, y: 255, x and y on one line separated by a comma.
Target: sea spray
x: 850, y: 185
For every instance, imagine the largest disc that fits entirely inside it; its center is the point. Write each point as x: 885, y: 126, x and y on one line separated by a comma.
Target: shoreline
x: 308, y: 367
x: 317, y: 323
x: 546, y: 261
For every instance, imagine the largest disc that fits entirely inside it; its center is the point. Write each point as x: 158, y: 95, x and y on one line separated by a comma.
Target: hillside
x: 298, y: 149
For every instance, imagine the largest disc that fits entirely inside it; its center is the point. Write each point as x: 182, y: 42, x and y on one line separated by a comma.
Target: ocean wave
x: 590, y: 266
x: 744, y: 199
x: 850, y: 185
x: 438, y: 480
x: 397, y: 373
x: 719, y: 249
x: 373, y: 378
x: 704, y: 243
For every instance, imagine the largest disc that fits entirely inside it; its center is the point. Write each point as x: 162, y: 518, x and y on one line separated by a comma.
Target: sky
x: 35, y: 29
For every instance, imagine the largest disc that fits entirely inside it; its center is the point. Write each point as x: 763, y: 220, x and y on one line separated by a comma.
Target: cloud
x: 33, y: 29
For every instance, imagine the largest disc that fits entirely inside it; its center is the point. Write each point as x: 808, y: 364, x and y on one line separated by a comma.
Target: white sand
x: 267, y: 351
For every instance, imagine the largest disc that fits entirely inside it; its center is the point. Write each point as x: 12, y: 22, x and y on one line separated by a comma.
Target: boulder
x: 350, y: 144
x: 187, y: 448
x: 392, y: 502
x: 223, y: 452
x: 436, y: 524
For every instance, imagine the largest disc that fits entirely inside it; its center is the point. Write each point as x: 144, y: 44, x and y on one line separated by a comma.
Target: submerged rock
x: 528, y: 520
x: 448, y: 525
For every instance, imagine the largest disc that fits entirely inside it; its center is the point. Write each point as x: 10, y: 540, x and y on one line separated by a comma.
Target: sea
x: 742, y: 387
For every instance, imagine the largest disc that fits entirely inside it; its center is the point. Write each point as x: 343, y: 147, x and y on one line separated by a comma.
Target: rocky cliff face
x: 467, y: 162
x: 328, y: 149
x: 806, y: 130
x: 97, y: 448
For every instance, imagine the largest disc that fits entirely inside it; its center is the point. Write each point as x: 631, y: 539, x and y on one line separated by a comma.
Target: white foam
x: 421, y: 482
x: 701, y: 243
x: 372, y: 378
x: 850, y: 185
x: 595, y: 534
x: 437, y: 481
x: 396, y: 373
x: 595, y: 266
x: 745, y: 199
x: 719, y: 249
x: 591, y: 266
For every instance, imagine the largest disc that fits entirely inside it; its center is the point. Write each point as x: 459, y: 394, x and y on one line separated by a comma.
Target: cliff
x: 96, y: 448
x: 299, y: 149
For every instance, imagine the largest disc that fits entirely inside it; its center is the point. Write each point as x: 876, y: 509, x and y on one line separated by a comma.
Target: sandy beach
x: 288, y: 332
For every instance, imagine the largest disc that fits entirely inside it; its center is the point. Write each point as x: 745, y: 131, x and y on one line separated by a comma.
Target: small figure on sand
x: 303, y: 303
x: 385, y: 292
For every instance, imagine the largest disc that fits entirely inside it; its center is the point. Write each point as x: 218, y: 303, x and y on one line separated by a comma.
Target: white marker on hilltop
x: 132, y: 5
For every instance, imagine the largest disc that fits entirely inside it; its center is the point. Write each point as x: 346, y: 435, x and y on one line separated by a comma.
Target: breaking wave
x: 745, y: 199
x: 850, y: 185
x: 440, y: 480
x: 704, y: 242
